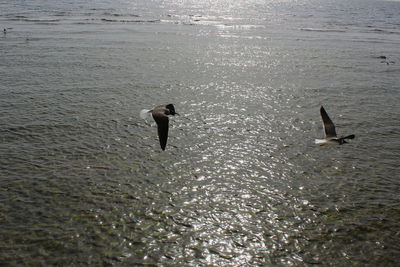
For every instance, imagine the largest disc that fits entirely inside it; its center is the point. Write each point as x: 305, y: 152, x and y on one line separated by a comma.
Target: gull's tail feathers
x: 320, y: 142
x: 145, y: 114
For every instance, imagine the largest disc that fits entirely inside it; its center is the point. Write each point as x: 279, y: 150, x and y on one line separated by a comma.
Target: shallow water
x: 84, y: 182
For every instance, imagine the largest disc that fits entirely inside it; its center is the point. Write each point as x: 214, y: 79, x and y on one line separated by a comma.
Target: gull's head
x: 171, y: 109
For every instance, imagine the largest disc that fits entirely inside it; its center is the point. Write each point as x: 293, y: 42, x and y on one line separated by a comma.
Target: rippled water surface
x: 83, y: 180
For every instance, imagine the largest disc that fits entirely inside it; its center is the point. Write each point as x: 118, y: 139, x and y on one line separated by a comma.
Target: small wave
x: 120, y: 15
x: 37, y: 20
x: 321, y: 30
x: 239, y: 26
x: 130, y: 21
x: 61, y: 14
x: 12, y: 16
x: 83, y: 23
x: 383, y: 31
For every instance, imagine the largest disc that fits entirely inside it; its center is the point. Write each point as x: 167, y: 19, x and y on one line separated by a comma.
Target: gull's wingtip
x: 351, y: 136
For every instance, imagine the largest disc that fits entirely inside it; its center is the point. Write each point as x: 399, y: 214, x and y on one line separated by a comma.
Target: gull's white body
x: 324, y: 142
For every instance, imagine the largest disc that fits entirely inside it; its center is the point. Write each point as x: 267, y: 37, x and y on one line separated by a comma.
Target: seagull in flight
x: 330, y: 132
x: 160, y: 115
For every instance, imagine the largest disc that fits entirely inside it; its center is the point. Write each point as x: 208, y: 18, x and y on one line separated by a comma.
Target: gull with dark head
x: 160, y: 115
x: 330, y: 132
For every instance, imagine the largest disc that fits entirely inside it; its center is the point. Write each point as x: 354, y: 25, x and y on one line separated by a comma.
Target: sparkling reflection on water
x: 83, y: 181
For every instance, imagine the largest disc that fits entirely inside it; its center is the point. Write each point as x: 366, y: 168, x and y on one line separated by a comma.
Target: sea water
x: 83, y: 181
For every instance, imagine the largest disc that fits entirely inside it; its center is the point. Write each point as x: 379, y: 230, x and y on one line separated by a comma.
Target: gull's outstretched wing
x: 162, y: 121
x: 162, y: 128
x: 329, y: 127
